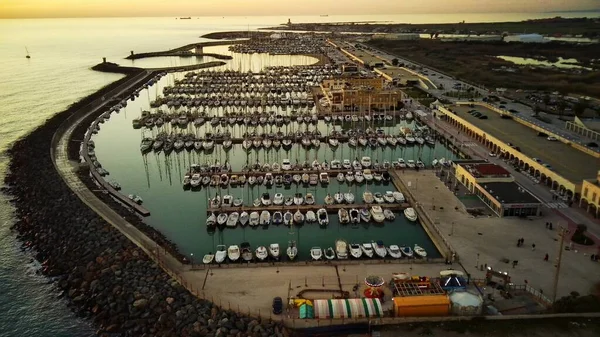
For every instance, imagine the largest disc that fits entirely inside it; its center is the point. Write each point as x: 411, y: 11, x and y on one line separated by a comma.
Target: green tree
x: 395, y: 62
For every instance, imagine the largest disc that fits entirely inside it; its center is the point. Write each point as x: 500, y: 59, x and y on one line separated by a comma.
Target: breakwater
x: 109, y: 67
x: 178, y: 53
x: 104, y: 276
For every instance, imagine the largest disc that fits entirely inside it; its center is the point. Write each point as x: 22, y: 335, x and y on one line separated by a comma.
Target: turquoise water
x: 58, y: 74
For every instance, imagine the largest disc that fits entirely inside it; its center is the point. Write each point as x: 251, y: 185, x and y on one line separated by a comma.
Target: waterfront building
x: 497, y: 188
x: 590, y: 197
x: 360, y: 92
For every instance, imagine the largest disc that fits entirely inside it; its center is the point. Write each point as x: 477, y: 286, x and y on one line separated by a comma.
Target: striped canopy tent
x: 348, y: 308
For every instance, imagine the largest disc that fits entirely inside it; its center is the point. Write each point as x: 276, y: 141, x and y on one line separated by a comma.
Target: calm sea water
x: 58, y: 74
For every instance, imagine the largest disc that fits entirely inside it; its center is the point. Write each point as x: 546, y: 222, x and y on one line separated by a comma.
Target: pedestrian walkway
x: 556, y: 205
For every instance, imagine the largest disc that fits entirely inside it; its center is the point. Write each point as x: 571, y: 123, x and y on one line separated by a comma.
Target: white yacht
x: 368, y: 197
x: 349, y: 197
x: 311, y: 217
x: 244, y: 217
x: 233, y: 253
x: 394, y: 251
x: 410, y: 214
x: 323, y: 217
x: 367, y: 249
x: 354, y: 216
x: 316, y: 253
x: 379, y: 248
x: 261, y: 253
x: 265, y: 199
x: 389, y: 215
x: 365, y: 162
x: 399, y: 197
x: 388, y: 196
x: 377, y: 214
x: 274, y: 250
x: 355, y: 250
x: 286, y: 165
x: 278, y: 199
x: 368, y: 175
x: 341, y: 249
x: 265, y: 218
x: 288, y: 218
x: 221, y: 254
x: 254, y: 219
x: 343, y: 216
x: 233, y: 219
x: 292, y: 250
x: 420, y: 251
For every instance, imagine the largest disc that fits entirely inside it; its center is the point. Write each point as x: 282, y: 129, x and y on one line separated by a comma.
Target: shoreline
x: 105, y: 277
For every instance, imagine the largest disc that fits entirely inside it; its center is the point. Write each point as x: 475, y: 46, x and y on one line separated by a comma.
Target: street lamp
x: 192, y: 259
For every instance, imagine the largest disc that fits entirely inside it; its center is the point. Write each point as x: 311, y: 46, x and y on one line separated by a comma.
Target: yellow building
x: 497, y: 188
x: 590, y: 196
x: 360, y: 93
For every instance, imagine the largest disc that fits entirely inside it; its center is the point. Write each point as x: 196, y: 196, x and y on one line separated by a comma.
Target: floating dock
x: 330, y: 208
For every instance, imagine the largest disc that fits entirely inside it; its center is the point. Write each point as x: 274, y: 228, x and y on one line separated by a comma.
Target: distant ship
x: 27, y: 51
x: 324, y: 15
x: 187, y: 18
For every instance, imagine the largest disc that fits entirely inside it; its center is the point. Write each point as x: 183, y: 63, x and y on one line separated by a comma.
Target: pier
x: 282, y: 208
x: 332, y: 173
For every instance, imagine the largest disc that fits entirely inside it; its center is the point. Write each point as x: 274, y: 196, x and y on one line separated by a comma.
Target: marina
x: 264, y: 136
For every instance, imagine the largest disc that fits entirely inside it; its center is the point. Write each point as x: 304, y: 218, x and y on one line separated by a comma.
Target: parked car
x: 492, y: 154
x: 552, y: 138
x: 277, y: 306
x: 513, y: 111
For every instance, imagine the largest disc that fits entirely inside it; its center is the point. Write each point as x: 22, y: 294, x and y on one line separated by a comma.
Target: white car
x: 492, y: 154
x: 552, y: 138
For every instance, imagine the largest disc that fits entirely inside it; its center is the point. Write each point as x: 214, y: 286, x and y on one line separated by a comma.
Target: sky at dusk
x: 128, y: 8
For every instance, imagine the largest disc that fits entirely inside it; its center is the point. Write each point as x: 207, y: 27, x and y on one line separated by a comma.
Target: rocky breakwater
x: 102, y: 274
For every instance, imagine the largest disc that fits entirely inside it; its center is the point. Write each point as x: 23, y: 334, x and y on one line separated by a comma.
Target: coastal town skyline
x: 161, y: 8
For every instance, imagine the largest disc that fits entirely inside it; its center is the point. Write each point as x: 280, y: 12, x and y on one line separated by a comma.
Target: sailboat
x: 27, y: 56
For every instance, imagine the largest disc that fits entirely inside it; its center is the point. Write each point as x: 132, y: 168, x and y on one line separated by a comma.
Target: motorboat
x: 261, y: 253
x: 420, y: 251
x: 368, y: 197
x: 329, y: 199
x: 333, y: 142
x: 365, y: 162
x: 406, y: 251
x: 367, y: 249
x: 298, y: 217
x: 297, y: 178
x: 221, y: 254
x: 388, y: 196
x: 309, y: 199
x: 278, y: 199
x: 323, y: 217
x: 305, y: 178
x: 410, y: 164
x: 265, y: 218
x: 354, y: 215
x: 389, y: 215
x: 254, y: 219
x: 377, y: 214
x: 311, y: 217
x: 288, y: 218
x: 292, y: 250
x: 335, y: 164
x: 343, y: 216
x: 222, y: 219
x: 410, y: 214
x: 316, y: 253
x: 257, y: 202
x: 277, y: 218
x: 398, y: 197
x: 316, y: 166
x: 246, y: 252
x: 286, y: 165
x: 324, y: 178
x: 211, y: 220
x: 244, y: 217
x: 237, y: 202
x: 330, y: 253
x: 298, y: 199
x: 368, y: 175
x: 349, y: 197
x: 394, y: 251
x: 359, y: 176
x: 136, y: 198
x: 347, y: 164
x: 355, y: 250
x: 233, y: 219
x: 276, y: 167
x: 274, y: 250
x: 377, y: 176
x: 233, y: 253
x: 350, y: 176
x: 378, y: 197
x: 379, y: 248
x: 365, y: 215
x: 227, y: 201
x: 341, y: 249
x: 356, y: 165
x: 265, y: 199
x: 313, y: 179
x: 338, y: 197
x: 340, y: 177
x: 208, y: 258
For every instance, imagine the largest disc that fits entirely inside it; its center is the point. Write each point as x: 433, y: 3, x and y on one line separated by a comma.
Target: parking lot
x: 572, y: 164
